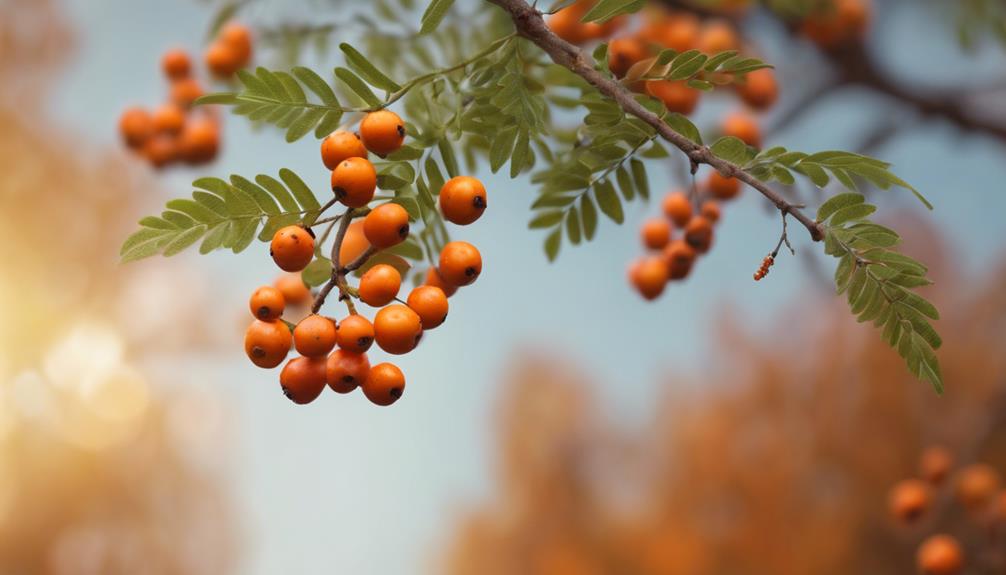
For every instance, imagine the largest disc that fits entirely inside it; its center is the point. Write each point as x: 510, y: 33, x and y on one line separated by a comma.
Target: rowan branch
x: 530, y: 25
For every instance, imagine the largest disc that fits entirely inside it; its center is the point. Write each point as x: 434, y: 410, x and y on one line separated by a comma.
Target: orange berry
x: 267, y: 303
x: 759, y: 89
x: 940, y: 555
x: 717, y: 36
x: 303, y: 378
x: 185, y: 91
x: 384, y: 384
x: 841, y: 22
x: 656, y: 233
x: 678, y: 208
x: 239, y: 39
x: 314, y: 336
x: 676, y: 96
x: 295, y: 291
x: 354, y: 244
x: 292, y: 248
x: 743, y: 127
x: 680, y: 32
x: 433, y: 279
x: 341, y: 145
x: 355, y: 334
x: 346, y: 370
x: 462, y: 200
x: 623, y: 53
x: 160, y: 150
x: 566, y: 23
x: 723, y: 188
x: 460, y: 263
x: 176, y: 64
x: 200, y: 141
x: 267, y: 342
x: 136, y: 126
x: 976, y: 485
x: 430, y: 304
x: 699, y: 234
x: 382, y: 132
x: 354, y: 181
x: 711, y: 211
x: 169, y: 119
x: 936, y: 464
x: 222, y: 60
x: 649, y: 276
x: 909, y: 500
x: 386, y: 225
x: 679, y: 257
x: 598, y: 30
x: 379, y: 285
x: 397, y: 329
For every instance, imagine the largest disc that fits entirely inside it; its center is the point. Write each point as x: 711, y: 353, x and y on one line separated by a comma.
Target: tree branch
x: 530, y: 25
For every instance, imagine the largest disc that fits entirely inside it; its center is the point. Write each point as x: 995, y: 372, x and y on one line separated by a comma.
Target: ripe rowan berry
x: 566, y: 23
x: 185, y: 91
x: 239, y: 38
x: 723, y: 188
x: 160, y: 150
x: 354, y: 181
x: 430, y: 304
x: 136, y: 126
x: 295, y: 291
x: 976, y: 485
x: 759, y: 89
x: 176, y: 64
x: 940, y: 555
x: 433, y: 279
x: 169, y: 119
x: 717, y: 36
x: 267, y: 342
x: 623, y: 53
x: 743, y: 127
x: 341, y: 145
x: 462, y: 200
x: 678, y: 208
x: 347, y: 370
x: 384, y: 384
x: 382, y: 132
x: 222, y: 60
x: 656, y: 233
x: 699, y: 234
x: 397, y: 329
x: 200, y: 141
x: 909, y: 500
x: 460, y: 263
x: 936, y: 464
x: 649, y: 276
x: 679, y: 257
x: 599, y: 30
x: 676, y: 96
x: 379, y: 285
x: 314, y: 336
x: 292, y: 248
x: 355, y: 334
x: 304, y: 378
x: 710, y: 210
x: 680, y: 32
x: 386, y: 225
x: 267, y: 303
x: 354, y: 244
x: 839, y: 23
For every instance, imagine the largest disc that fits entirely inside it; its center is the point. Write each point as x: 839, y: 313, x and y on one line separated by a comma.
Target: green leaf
x: 359, y: 63
x: 316, y: 84
x: 838, y: 202
x: 434, y: 14
x: 589, y: 215
x: 317, y: 272
x: 607, y: 9
x: 856, y: 212
x: 358, y: 86
x: 552, y: 244
x: 731, y: 149
x: 607, y: 200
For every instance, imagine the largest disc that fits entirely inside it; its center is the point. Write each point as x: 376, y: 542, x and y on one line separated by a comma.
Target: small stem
x: 337, y: 279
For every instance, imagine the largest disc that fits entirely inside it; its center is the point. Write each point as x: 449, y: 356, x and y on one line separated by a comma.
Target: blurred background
x: 558, y: 424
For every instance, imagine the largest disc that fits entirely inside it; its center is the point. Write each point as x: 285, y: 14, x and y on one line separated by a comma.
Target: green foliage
x: 225, y: 215
x: 979, y: 18
x: 605, y: 10
x: 701, y: 71
x: 878, y: 283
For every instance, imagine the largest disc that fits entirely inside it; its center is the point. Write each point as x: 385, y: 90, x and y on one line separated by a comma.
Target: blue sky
x: 341, y: 486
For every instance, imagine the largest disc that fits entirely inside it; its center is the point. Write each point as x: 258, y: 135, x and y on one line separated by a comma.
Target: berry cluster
x: 671, y: 257
x: 175, y: 132
x: 976, y: 488
x: 334, y: 352
x: 765, y: 265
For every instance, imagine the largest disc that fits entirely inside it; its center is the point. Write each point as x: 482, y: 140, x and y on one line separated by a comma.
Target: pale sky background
x: 343, y: 487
